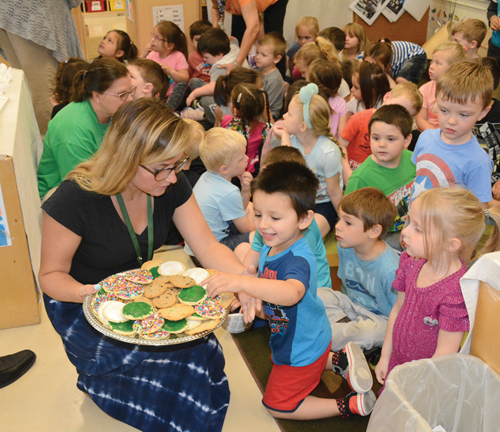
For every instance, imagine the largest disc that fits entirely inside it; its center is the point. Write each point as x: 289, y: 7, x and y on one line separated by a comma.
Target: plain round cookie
x: 177, y: 312
x: 198, y: 274
x: 167, y: 299
x: 181, y: 281
x: 171, y: 268
x: 204, y: 326
x: 158, y: 287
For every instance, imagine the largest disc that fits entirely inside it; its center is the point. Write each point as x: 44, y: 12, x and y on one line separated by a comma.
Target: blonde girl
x: 328, y: 77
x: 306, y: 127
x: 168, y: 47
x: 117, y: 45
x: 369, y: 85
x: 355, y: 42
x: 443, y: 56
x: 306, y: 30
x: 430, y: 317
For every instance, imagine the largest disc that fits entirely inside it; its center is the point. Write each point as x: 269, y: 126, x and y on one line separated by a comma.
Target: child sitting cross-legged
x: 283, y: 195
x: 367, y: 268
x: 389, y: 167
x: 222, y: 204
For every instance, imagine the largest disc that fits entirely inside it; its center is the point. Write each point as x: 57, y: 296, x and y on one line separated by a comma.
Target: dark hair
x: 292, y: 91
x: 371, y: 206
x: 276, y: 40
x: 349, y: 68
x: 214, y: 41
x: 63, y: 81
x: 373, y: 83
x: 381, y: 51
x: 99, y: 77
x: 226, y: 83
x: 198, y: 28
x: 173, y: 34
x: 492, y: 64
x: 292, y: 179
x: 282, y: 154
x: 395, y: 115
x: 335, y: 35
x: 126, y: 45
x: 326, y: 75
x: 151, y: 72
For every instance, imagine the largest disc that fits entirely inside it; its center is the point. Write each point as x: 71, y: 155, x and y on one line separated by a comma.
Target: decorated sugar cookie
x: 204, y: 326
x: 175, y: 326
x: 171, y: 268
x: 112, y: 311
x: 101, y: 297
x: 143, y: 277
x: 193, y: 295
x: 111, y: 282
x: 127, y: 290
x: 148, y: 325
x: 157, y: 335
x: 137, y: 310
x: 210, y: 308
x: 198, y: 274
x: 123, y: 328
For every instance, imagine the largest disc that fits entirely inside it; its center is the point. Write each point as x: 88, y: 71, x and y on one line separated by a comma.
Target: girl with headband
x: 306, y: 127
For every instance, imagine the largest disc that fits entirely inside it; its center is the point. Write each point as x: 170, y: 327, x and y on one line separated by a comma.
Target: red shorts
x: 288, y: 385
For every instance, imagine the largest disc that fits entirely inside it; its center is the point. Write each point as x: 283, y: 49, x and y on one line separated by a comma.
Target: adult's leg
x: 40, y: 68
x: 274, y: 17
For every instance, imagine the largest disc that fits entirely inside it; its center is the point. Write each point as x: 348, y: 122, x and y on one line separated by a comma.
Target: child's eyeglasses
x: 156, y: 38
x: 163, y: 173
x: 124, y: 94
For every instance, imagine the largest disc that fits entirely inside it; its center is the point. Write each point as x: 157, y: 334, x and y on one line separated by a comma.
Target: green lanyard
x: 131, y: 231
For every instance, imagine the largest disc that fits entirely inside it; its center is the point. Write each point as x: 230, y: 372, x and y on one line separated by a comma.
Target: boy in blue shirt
x: 284, y: 195
x: 367, y: 268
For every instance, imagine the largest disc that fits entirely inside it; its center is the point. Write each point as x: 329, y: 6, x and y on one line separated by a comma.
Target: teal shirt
x: 73, y: 136
x: 312, y: 234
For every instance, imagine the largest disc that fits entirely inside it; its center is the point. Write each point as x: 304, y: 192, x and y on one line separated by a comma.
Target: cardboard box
x: 96, y: 6
x: 19, y: 304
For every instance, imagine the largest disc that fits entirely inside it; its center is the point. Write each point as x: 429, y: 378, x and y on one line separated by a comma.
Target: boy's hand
x: 245, y: 180
x: 381, y: 369
x: 190, y: 99
x: 249, y: 305
x: 224, y: 282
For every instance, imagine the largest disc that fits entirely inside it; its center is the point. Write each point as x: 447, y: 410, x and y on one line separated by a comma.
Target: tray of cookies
x: 162, y: 303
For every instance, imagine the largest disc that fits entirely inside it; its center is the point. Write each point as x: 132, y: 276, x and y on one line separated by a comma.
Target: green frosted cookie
x: 123, y: 328
x: 137, y: 310
x: 175, y: 326
x: 154, y: 272
x: 192, y: 296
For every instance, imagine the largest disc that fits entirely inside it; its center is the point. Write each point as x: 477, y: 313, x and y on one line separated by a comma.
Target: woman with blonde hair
x: 107, y: 217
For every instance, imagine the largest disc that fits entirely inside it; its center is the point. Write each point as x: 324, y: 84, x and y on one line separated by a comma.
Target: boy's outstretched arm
x: 286, y: 293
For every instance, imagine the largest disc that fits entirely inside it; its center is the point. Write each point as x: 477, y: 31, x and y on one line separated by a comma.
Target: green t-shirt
x: 73, y: 136
x: 396, y: 183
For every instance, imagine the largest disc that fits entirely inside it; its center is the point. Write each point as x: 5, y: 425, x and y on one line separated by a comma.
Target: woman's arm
x: 383, y: 364
x: 59, y: 245
x: 334, y: 191
x: 194, y: 229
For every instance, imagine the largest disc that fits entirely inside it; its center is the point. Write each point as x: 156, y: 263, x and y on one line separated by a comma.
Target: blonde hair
x: 472, y: 29
x: 311, y: 23
x: 219, y: 146
x: 144, y: 131
x: 448, y: 213
x: 466, y: 81
x: 319, y: 113
x: 198, y: 133
x: 411, y: 91
x: 321, y: 49
x: 358, y: 32
x: 457, y: 51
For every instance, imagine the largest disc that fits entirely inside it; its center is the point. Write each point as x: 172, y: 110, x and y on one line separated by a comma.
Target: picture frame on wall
x: 368, y: 10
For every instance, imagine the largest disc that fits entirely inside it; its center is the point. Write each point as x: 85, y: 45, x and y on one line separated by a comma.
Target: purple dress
x: 424, y: 312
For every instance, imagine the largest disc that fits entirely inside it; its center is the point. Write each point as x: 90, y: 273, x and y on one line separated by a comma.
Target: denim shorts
x: 414, y: 68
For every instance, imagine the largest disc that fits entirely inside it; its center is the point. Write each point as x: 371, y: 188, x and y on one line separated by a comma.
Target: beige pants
x: 40, y: 68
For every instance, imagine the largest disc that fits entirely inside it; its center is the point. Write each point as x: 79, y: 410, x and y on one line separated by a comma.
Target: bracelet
x: 237, y: 65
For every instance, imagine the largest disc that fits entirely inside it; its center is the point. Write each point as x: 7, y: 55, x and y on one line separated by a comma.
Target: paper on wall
x: 173, y: 13
x: 417, y: 8
x: 394, y: 10
x: 368, y: 10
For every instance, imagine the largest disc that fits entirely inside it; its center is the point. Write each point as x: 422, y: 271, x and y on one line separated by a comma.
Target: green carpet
x: 254, y: 347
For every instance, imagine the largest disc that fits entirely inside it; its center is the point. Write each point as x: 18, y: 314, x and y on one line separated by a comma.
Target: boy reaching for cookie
x: 283, y: 196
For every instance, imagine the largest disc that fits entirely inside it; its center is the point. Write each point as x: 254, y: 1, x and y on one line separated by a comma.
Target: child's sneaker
x: 351, y: 364
x: 356, y: 404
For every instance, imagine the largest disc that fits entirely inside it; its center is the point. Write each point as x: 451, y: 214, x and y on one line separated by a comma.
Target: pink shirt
x: 175, y: 60
x: 339, y: 107
x: 428, y: 91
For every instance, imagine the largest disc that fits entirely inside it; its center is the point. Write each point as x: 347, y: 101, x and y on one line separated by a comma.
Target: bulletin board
x: 405, y: 28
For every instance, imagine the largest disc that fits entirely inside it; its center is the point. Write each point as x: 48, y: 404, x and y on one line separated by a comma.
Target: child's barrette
x: 238, y: 98
x: 306, y: 93
x: 487, y: 213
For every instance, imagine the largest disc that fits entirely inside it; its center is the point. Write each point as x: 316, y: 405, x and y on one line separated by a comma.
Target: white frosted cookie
x: 100, y: 315
x: 171, y: 268
x: 193, y: 323
x: 198, y: 274
x: 113, y: 312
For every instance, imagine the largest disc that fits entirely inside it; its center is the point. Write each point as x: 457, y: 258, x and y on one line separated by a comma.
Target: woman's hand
x: 86, y: 290
x: 495, y: 23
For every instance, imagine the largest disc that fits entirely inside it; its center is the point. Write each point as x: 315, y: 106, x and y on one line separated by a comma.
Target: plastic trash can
x: 458, y: 392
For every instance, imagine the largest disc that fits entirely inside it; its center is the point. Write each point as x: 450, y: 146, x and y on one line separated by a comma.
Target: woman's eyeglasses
x: 163, y: 173
x: 124, y: 94
x: 156, y: 38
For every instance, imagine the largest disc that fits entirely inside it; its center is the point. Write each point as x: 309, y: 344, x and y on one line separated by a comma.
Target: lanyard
x: 131, y: 231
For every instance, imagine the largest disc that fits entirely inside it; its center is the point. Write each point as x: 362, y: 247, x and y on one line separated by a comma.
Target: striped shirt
x: 402, y: 51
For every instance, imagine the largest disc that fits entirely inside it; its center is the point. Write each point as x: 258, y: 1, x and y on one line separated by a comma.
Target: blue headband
x: 306, y: 93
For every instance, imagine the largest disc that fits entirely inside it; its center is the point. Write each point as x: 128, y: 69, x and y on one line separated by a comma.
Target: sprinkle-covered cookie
x: 180, y: 281
x: 193, y: 295
x: 177, y: 312
x: 175, y: 326
x: 123, y: 328
x: 127, y: 290
x: 137, y: 310
x: 198, y: 274
x: 148, y: 325
x: 157, y: 335
x: 111, y: 282
x: 167, y: 299
x: 210, y: 308
x: 158, y: 287
x: 101, y: 297
x: 171, y: 268
x: 204, y: 326
x: 143, y: 277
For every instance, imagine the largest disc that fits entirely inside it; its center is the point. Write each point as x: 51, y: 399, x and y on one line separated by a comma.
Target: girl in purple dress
x: 430, y: 317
